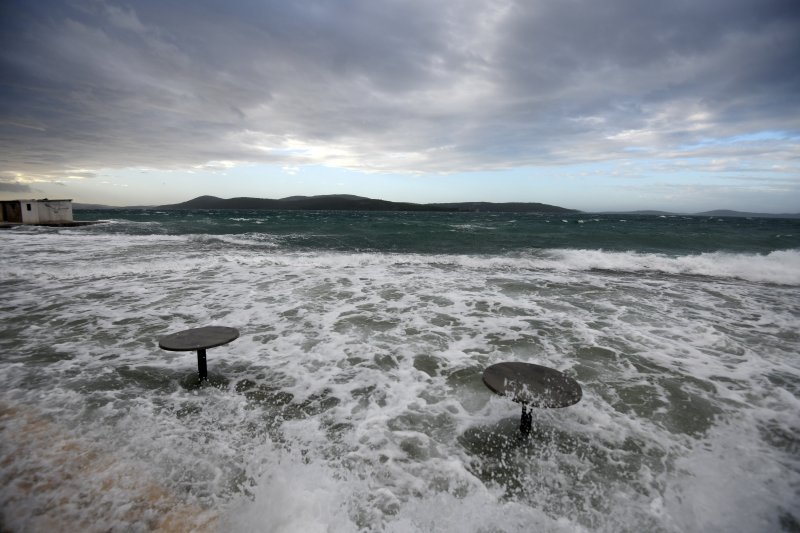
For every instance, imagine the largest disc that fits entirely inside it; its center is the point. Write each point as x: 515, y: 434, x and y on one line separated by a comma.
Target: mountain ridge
x: 360, y: 203
x: 714, y: 213
x: 349, y: 202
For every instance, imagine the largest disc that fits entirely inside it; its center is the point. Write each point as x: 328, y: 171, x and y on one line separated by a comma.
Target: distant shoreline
x: 347, y: 202
x: 70, y: 224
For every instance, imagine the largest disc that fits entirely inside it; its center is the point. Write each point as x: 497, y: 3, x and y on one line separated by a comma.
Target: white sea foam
x: 307, y: 495
x: 781, y: 267
x: 353, y: 401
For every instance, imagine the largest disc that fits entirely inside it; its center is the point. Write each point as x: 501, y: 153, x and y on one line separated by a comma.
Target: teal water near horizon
x: 473, y: 233
x: 352, y: 400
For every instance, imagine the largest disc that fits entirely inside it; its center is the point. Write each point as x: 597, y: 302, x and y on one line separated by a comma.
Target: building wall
x: 45, y: 211
x: 30, y: 211
x: 55, y: 210
x: 10, y: 211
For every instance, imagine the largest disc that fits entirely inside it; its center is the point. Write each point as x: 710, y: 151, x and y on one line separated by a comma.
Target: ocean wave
x: 780, y: 267
x: 353, y: 398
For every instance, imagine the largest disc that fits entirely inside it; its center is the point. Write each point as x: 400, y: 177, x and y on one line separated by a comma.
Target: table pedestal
x: 199, y: 339
x: 526, y: 422
x: 202, y: 370
x: 532, y: 385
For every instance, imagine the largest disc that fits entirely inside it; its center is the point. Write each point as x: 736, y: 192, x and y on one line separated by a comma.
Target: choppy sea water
x: 353, y: 400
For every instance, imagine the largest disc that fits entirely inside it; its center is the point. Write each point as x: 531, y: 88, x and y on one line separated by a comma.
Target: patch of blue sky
x: 755, y: 137
x: 637, y: 149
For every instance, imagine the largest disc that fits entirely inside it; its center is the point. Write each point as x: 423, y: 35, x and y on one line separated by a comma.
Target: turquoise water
x: 475, y: 233
x: 353, y: 400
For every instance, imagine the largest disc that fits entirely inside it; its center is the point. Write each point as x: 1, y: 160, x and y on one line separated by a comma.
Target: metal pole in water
x: 526, y: 422
x: 201, y: 364
x: 536, y: 385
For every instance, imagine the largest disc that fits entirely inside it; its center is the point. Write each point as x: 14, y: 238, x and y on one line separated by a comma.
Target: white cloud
x: 411, y: 87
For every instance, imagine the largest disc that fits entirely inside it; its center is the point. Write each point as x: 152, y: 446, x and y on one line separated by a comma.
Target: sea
x: 353, y: 399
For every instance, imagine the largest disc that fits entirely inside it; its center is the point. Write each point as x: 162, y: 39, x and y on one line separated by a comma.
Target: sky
x: 683, y: 105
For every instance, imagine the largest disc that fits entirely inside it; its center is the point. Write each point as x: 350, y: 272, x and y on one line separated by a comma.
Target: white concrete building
x: 36, y: 211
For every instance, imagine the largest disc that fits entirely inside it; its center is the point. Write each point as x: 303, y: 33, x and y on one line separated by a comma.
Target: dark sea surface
x: 353, y: 400
x: 470, y: 233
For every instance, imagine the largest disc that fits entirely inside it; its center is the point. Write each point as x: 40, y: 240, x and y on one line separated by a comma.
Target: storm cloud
x: 404, y: 86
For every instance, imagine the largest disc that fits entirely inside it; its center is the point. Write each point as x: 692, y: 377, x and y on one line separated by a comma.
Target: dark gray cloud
x: 393, y: 85
x: 13, y: 186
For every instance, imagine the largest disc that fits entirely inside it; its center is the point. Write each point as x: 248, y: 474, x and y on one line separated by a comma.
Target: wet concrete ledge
x: 71, y: 224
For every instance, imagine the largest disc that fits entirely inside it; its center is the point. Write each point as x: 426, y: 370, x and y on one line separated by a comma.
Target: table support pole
x: 526, y: 422
x: 201, y: 364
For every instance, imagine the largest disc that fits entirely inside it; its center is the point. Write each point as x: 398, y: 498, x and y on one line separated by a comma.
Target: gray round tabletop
x: 535, y: 385
x: 198, y: 338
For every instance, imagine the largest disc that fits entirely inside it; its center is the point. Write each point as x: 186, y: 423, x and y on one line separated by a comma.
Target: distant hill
x: 715, y: 213
x: 729, y: 213
x: 507, y: 207
x: 649, y: 212
x: 91, y: 207
x: 101, y: 207
x: 348, y: 202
